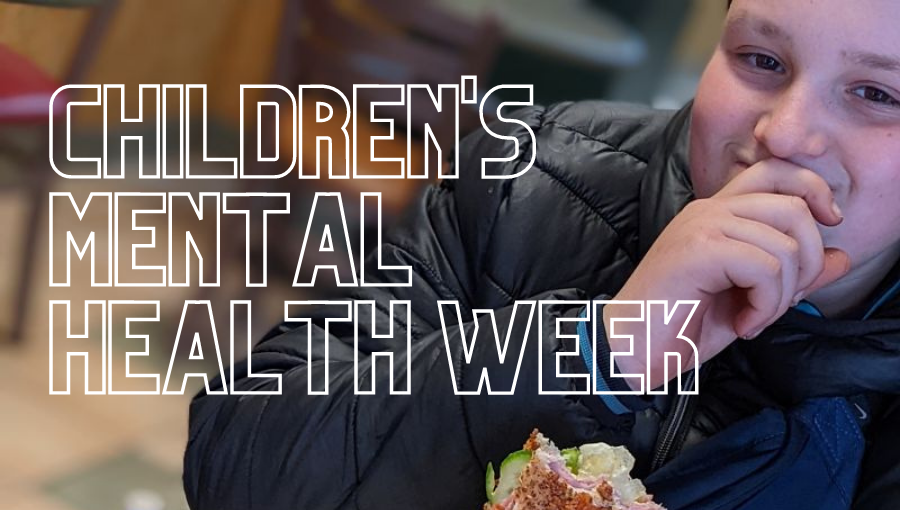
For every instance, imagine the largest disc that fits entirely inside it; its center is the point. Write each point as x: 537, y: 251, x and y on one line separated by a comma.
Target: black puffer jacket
x: 606, y: 181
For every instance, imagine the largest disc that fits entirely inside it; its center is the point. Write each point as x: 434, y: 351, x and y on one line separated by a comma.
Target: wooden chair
x: 346, y: 42
x: 25, y: 96
x: 392, y: 42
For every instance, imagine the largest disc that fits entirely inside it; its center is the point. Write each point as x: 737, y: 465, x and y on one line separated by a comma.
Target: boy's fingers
x: 751, y: 320
x: 837, y: 264
x: 748, y: 267
x: 775, y: 243
x: 784, y: 178
x: 797, y: 222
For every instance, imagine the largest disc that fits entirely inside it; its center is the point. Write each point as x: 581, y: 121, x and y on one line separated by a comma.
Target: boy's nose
x: 793, y: 126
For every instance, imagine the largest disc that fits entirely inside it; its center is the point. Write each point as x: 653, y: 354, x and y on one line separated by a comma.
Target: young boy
x: 773, y: 199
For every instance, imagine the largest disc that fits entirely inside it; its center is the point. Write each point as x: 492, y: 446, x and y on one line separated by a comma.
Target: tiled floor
x: 140, y: 484
x: 71, y: 449
x: 77, y: 452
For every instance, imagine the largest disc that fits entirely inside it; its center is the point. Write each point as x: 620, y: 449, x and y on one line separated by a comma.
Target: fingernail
x: 831, y: 254
x: 836, y: 210
x: 797, y: 298
x: 753, y: 335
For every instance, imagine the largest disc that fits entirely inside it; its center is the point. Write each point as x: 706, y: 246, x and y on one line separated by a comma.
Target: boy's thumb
x: 837, y: 264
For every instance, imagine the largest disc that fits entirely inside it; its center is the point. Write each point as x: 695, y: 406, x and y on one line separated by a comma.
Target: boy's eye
x: 763, y: 61
x: 876, y: 95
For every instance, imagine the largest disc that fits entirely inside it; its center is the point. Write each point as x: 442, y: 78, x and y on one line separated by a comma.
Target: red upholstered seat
x: 25, y: 90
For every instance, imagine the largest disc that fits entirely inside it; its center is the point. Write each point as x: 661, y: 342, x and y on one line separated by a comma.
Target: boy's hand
x: 747, y: 254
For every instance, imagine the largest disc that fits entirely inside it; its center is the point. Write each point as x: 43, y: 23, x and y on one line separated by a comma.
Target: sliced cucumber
x: 510, y: 469
x: 490, y: 482
x: 572, y: 456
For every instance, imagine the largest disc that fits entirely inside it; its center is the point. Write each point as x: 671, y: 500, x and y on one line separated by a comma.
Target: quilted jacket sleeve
x: 426, y: 450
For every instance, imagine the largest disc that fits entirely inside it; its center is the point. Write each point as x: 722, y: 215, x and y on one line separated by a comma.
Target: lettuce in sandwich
x: 590, y: 477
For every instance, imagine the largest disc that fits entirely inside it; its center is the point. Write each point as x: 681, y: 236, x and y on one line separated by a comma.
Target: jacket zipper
x: 673, y: 424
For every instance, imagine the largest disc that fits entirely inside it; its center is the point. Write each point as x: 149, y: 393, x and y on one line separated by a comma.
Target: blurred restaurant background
x: 115, y: 452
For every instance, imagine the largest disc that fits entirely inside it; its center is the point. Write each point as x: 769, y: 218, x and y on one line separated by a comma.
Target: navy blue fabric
x: 587, y: 353
x: 805, y: 458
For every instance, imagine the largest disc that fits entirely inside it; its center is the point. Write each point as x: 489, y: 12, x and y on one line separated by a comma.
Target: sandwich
x: 590, y: 477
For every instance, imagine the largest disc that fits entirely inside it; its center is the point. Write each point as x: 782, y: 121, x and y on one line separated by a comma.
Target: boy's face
x: 816, y: 83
